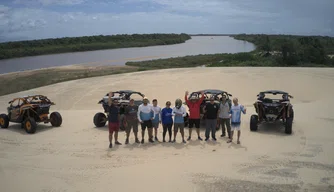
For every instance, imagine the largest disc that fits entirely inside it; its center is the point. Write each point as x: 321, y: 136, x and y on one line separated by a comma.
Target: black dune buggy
x: 273, y: 109
x: 123, y: 97
x: 29, y: 111
x: 208, y: 93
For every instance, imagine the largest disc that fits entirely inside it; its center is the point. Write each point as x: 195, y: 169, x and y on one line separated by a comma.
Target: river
x: 196, y: 45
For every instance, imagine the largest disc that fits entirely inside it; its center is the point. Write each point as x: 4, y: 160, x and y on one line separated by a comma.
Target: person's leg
x: 164, y: 127
x: 110, y: 134
x: 175, y: 131
x: 135, y: 130
x: 127, y: 131
x: 197, y: 125
x: 116, y: 127
x: 182, y: 132
x: 156, y: 126
x: 190, y: 126
x: 228, y: 127
x: 213, y: 129
x: 239, y: 133
x: 169, y: 127
x: 143, y: 127
x: 222, y: 122
x: 232, y: 132
x: 207, y: 129
x: 150, y: 130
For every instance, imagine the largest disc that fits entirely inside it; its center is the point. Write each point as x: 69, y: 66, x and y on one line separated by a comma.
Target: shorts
x: 113, y: 126
x: 235, y: 126
x: 195, y: 122
x: 146, y: 124
x: 132, y: 124
x: 155, y: 124
x: 177, y: 126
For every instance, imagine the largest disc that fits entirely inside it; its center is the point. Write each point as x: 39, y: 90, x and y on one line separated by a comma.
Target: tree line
x: 86, y: 43
x: 293, y: 50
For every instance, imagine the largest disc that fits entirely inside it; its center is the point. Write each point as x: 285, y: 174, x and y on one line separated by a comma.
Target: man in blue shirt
x: 235, y: 112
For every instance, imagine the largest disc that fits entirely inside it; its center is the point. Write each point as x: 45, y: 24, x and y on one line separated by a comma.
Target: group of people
x: 150, y: 116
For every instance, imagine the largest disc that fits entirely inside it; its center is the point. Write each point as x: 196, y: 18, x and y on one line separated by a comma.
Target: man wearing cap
x: 131, y: 120
x: 145, y: 116
x: 113, y: 120
x: 194, y: 104
x: 212, y: 110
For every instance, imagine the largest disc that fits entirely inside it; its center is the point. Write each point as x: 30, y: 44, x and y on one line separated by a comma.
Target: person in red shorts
x: 113, y: 120
x: 194, y: 104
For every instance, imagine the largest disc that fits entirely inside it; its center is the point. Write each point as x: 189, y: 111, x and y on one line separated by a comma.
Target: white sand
x: 75, y: 156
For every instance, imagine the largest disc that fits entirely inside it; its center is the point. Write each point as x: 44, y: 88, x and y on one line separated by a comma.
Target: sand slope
x: 75, y: 156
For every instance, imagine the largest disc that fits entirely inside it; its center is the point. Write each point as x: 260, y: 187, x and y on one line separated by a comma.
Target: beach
x: 76, y: 157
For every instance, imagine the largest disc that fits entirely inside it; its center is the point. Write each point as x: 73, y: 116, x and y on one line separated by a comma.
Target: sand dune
x: 75, y: 156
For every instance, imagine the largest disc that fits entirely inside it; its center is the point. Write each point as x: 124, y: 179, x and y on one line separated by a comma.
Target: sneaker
x: 188, y: 138
x: 164, y: 140
x: 206, y: 139
x: 199, y: 138
x: 118, y: 143
x: 137, y: 140
x: 126, y: 141
x: 156, y: 139
x: 174, y: 141
x: 151, y: 140
x: 184, y: 141
x: 223, y: 135
x: 169, y: 141
x: 214, y: 139
x: 110, y: 145
x: 142, y: 141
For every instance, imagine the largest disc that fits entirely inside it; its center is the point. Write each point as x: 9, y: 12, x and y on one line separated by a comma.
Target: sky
x: 39, y: 19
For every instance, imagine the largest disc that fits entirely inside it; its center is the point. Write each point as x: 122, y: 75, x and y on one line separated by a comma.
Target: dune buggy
x: 273, y: 109
x: 123, y: 97
x: 30, y: 110
x: 208, y: 93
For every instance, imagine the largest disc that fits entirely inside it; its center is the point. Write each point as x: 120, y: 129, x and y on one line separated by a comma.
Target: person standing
x: 131, y: 120
x: 167, y: 121
x: 212, y: 110
x: 179, y: 112
x: 113, y: 120
x: 224, y: 116
x: 157, y: 118
x: 194, y: 104
x: 145, y: 116
x: 235, y: 112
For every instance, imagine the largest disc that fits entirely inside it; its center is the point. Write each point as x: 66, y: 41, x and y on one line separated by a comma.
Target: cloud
x: 59, y: 18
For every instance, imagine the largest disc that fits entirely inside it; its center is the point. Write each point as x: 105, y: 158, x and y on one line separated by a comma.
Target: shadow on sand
x: 40, y: 128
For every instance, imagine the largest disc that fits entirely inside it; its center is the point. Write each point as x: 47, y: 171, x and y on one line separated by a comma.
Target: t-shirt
x: 236, y: 113
x: 113, y: 114
x: 157, y: 111
x: 145, y: 112
x: 211, y: 110
x: 179, y: 114
x: 131, y: 112
x: 224, y: 110
x: 166, y: 116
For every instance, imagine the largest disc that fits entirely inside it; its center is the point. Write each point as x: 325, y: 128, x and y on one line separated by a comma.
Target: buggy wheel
x: 100, y: 119
x: 4, y: 121
x: 56, y: 119
x: 30, y: 125
x: 254, y: 119
x: 292, y: 114
x: 288, y: 125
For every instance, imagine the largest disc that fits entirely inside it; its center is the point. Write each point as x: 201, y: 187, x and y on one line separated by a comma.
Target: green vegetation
x: 272, y: 50
x: 86, y: 43
x: 21, y: 81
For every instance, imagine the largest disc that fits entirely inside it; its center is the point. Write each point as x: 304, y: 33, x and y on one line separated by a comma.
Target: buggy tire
x: 254, y: 120
x: 100, y: 119
x: 30, y: 125
x: 288, y: 125
x: 292, y: 114
x: 4, y: 121
x: 55, y: 119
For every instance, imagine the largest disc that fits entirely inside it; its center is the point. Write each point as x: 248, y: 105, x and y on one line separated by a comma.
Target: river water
x: 196, y: 45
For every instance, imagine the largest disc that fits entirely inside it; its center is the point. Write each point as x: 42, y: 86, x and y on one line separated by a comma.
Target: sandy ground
x: 76, y: 157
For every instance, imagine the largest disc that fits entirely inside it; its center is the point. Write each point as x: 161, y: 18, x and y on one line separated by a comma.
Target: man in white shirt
x: 145, y: 116
x: 157, y: 118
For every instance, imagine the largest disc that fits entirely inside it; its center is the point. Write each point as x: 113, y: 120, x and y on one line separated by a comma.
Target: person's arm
x: 202, y: 97
x: 160, y: 115
x: 184, y: 112
x: 173, y: 112
x: 186, y: 97
x: 138, y: 114
x: 109, y: 98
x: 243, y: 109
